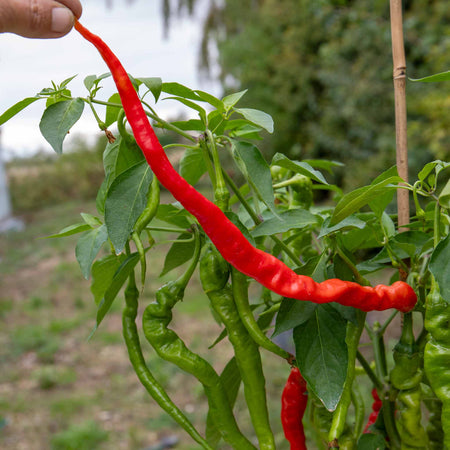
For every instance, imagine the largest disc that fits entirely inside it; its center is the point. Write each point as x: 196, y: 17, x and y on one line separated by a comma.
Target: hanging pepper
x: 231, y: 243
x: 170, y: 347
x: 293, y: 405
x: 321, y: 419
x: 437, y: 352
x: 143, y: 220
x: 406, y: 376
x: 353, y: 335
x: 376, y: 408
x: 214, y: 274
x: 240, y: 295
x: 434, y: 425
x: 147, y: 379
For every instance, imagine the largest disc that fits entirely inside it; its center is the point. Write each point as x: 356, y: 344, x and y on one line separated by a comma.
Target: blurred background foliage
x: 323, y: 70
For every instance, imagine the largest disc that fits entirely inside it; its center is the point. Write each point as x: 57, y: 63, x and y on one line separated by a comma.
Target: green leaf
x: 89, y: 81
x: 180, y: 91
x: 256, y: 170
x: 321, y: 353
x: 257, y: 117
x: 110, y: 157
x: 59, y: 96
x: 58, y: 119
x: 323, y: 164
x: 436, y: 166
x: 345, y: 224
x: 443, y: 76
x: 15, y: 109
x: 247, y: 131
x: 300, y: 167
x: 440, y: 267
x: 190, y: 125
x: 192, y: 165
x: 154, y: 84
x: 120, y: 277
x: 370, y: 441
x: 444, y: 196
x: 70, y: 230
x: 292, y: 313
x: 293, y: 218
x: 173, y: 215
x: 109, y: 164
x: 88, y: 247
x: 388, y: 224
x: 213, y: 101
x: 201, y: 111
x: 91, y: 220
x: 103, y: 271
x: 230, y: 100
x: 179, y: 253
x: 125, y: 201
x: 112, y: 112
x: 353, y: 201
x: 129, y: 154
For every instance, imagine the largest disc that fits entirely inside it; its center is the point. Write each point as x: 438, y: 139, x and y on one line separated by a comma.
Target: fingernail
x: 62, y: 20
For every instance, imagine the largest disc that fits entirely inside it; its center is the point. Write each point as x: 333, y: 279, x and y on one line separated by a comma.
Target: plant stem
x: 370, y: 373
x: 221, y: 194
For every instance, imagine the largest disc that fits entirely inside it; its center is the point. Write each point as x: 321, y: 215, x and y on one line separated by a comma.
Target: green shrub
x: 49, y: 377
x: 85, y: 436
x: 47, y: 179
x: 35, y: 338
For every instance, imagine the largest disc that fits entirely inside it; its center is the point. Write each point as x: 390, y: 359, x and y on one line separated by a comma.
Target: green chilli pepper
x: 434, y: 425
x: 437, y: 352
x: 213, y: 275
x: 240, y: 293
x: 143, y: 220
x: 352, y: 337
x: 321, y: 419
x: 170, y: 347
x: 406, y: 376
x: 147, y: 379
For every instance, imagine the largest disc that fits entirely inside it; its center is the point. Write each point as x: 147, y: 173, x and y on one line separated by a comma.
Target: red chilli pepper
x: 376, y: 406
x: 293, y: 405
x: 231, y: 243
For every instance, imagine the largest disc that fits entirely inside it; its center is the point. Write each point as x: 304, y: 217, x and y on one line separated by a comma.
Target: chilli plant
x: 308, y: 262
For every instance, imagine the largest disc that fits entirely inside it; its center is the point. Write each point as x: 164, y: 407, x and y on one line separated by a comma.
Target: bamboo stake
x: 399, y: 76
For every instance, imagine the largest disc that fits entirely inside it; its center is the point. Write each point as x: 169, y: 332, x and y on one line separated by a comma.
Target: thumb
x: 38, y: 18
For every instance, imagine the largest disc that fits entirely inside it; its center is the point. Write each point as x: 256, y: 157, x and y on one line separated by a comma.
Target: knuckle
x: 36, y: 15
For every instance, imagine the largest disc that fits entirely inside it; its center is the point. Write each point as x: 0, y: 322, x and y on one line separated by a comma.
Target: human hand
x: 38, y: 18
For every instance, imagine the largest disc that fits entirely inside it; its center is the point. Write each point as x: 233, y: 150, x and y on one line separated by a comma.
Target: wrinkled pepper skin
x: 406, y: 376
x: 228, y: 239
x: 434, y: 425
x: 293, y: 405
x: 437, y: 353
